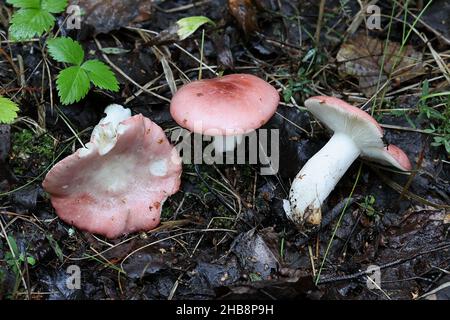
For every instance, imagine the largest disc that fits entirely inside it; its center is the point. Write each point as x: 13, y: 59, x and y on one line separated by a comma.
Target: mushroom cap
x: 366, y: 133
x: 122, y: 190
x: 230, y: 105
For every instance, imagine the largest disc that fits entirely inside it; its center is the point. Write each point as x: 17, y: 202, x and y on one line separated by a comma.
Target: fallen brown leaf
x: 362, y: 57
x: 244, y: 11
x: 107, y: 15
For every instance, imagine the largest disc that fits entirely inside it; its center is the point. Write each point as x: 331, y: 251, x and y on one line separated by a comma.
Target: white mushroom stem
x: 105, y: 133
x: 318, y: 177
x: 226, y: 143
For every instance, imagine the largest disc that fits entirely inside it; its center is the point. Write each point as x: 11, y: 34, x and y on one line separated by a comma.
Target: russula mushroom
x: 356, y: 134
x: 226, y: 107
x: 118, y: 183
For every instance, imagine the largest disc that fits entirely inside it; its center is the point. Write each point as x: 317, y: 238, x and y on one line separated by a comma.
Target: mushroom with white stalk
x: 118, y: 183
x: 356, y: 134
x: 226, y: 107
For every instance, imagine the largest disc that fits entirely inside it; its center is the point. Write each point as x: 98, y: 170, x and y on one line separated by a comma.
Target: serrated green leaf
x: 65, y: 50
x: 101, y: 75
x: 25, y: 4
x: 8, y: 110
x: 187, y: 26
x: 73, y: 84
x: 27, y: 23
x: 54, y: 6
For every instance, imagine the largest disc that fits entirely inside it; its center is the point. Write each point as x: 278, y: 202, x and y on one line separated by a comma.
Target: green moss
x: 166, y: 212
x: 30, y: 152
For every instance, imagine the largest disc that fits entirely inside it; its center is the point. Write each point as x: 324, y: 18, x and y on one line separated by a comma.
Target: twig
x: 182, y: 8
x: 319, y: 22
x: 384, y: 266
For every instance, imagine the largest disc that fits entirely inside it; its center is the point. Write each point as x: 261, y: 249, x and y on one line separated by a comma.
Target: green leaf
x: 447, y: 147
x: 13, y: 244
x: 8, y: 110
x: 10, y: 260
x: 187, y: 26
x: 54, y: 6
x: 54, y: 244
x: 25, y: 4
x: 101, y: 75
x: 31, y: 261
x: 27, y: 23
x: 65, y: 50
x: 73, y: 84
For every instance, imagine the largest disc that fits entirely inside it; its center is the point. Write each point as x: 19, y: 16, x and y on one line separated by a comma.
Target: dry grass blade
x: 167, y: 70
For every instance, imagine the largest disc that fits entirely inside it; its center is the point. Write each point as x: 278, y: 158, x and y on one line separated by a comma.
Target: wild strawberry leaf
x: 54, y: 6
x: 73, y: 84
x: 24, y: 3
x: 33, y: 17
x: 373, y: 61
x: 27, y: 23
x: 101, y: 75
x: 8, y: 110
x: 65, y: 50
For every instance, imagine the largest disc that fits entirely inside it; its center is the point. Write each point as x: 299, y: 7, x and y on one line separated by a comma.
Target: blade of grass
x: 200, y: 70
x: 402, y: 47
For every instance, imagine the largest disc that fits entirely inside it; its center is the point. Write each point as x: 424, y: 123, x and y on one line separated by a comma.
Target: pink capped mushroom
x: 118, y: 183
x: 356, y: 134
x: 226, y: 107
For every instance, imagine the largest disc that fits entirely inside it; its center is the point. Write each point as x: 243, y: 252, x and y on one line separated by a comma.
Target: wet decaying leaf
x: 255, y: 254
x: 438, y: 16
x: 286, y: 289
x: 5, y: 143
x: 223, y: 51
x: 107, y: 15
x: 362, y: 57
x: 244, y: 11
x: 26, y: 198
x: 216, y: 275
x: 146, y: 262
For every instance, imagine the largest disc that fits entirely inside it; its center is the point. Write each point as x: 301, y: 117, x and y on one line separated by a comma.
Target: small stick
x: 319, y: 21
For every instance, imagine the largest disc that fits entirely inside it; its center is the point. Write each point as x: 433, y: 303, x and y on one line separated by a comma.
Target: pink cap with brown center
x: 230, y: 105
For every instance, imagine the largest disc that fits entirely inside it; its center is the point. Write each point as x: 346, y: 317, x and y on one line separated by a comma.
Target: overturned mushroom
x: 356, y: 134
x: 118, y: 183
x: 225, y: 108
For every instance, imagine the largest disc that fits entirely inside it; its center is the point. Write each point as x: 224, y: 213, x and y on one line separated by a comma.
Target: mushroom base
x: 318, y: 177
